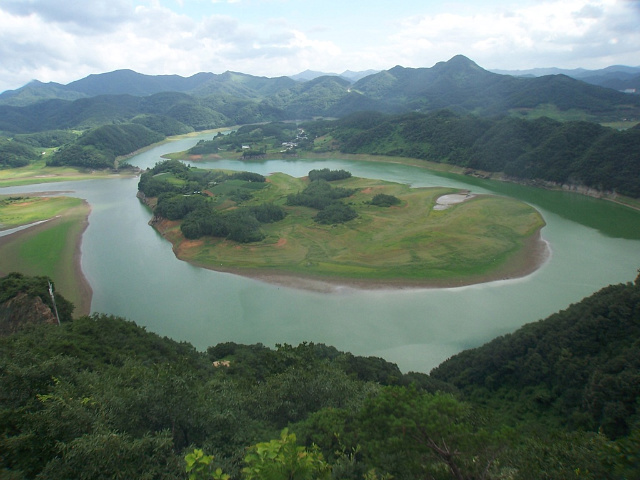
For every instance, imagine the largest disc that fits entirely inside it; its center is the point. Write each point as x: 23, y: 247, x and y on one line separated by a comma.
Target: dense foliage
x: 574, y: 153
x: 99, y: 147
x: 100, y: 397
x: 384, y: 200
x: 328, y: 175
x: 192, y: 196
x: 582, y: 364
x: 241, y: 225
x: 47, y: 139
x: 319, y: 194
x: 14, y: 154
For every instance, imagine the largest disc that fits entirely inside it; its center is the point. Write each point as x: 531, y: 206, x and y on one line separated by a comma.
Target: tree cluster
x: 99, y: 147
x: 582, y: 364
x: 328, y: 175
x: 384, y: 200
x: 14, y: 154
x: 260, y: 139
x: 319, y: 194
x: 179, y: 188
x: 16, y: 283
x: 240, y: 225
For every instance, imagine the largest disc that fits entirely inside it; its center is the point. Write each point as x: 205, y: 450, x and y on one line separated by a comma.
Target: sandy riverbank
x: 72, y: 284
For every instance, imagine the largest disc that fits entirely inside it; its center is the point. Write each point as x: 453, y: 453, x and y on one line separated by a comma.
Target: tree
x: 283, y: 459
x: 417, y: 433
x: 199, y: 466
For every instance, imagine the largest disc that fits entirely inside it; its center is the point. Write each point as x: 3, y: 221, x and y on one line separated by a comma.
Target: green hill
x: 578, y: 154
x: 458, y: 84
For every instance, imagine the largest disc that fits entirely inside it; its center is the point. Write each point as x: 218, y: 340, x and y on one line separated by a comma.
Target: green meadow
x: 410, y: 242
x: 18, y: 210
x: 48, y: 249
x: 39, y: 172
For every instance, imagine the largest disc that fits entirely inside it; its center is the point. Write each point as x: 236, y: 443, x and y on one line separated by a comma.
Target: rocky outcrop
x: 23, y: 310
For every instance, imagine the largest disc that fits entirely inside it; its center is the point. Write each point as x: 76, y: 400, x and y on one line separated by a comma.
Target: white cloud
x: 63, y: 41
x: 77, y: 16
x: 563, y: 33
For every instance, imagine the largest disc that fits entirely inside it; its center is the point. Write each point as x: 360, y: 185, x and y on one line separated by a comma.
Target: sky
x: 65, y: 40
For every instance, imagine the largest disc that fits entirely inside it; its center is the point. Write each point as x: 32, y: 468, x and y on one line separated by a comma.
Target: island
x: 330, y: 229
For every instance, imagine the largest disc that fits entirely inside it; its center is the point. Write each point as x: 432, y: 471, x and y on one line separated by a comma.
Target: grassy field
x: 18, y: 210
x: 410, y: 242
x: 39, y: 172
x: 51, y: 248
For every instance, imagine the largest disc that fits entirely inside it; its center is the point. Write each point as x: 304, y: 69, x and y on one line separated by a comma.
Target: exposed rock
x: 24, y: 310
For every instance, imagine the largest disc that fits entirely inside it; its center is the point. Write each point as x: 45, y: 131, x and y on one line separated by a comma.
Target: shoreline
x: 84, y: 291
x: 453, y: 169
x: 534, y: 254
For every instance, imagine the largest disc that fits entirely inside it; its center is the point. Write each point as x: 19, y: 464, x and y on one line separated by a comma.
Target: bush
x: 337, y: 212
x: 384, y: 200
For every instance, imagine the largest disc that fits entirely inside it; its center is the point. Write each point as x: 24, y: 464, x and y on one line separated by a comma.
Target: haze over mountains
x: 208, y: 100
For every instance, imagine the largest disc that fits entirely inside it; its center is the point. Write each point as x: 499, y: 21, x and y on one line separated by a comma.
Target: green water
x: 134, y: 274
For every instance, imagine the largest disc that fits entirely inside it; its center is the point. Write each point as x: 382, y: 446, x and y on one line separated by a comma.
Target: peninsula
x: 418, y: 237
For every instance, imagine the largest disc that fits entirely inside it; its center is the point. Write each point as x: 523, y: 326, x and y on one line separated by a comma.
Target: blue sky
x: 62, y: 41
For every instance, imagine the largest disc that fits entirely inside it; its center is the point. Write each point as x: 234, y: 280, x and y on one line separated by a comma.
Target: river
x: 134, y: 273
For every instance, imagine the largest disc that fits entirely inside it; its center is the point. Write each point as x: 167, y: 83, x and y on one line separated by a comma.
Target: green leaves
x: 283, y: 459
x: 199, y: 466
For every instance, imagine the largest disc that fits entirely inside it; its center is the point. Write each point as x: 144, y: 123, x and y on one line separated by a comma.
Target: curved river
x: 134, y: 273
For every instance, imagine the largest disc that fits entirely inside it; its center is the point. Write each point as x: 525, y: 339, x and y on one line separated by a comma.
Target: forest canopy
x: 100, y: 397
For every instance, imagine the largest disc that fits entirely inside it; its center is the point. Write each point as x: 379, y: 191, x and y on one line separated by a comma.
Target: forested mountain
x: 128, y: 82
x: 483, y: 128
x: 458, y: 84
x: 579, y: 154
x: 99, y: 397
x: 99, y: 147
x: 618, y: 77
x: 462, y: 85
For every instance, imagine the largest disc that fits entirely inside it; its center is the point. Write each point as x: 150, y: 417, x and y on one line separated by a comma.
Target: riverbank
x: 53, y: 249
x: 613, y: 197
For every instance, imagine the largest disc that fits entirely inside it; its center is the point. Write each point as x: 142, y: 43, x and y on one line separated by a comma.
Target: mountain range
x: 207, y: 100
x: 618, y: 77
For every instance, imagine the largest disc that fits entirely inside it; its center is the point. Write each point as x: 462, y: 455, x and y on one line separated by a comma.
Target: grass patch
x: 50, y: 249
x: 39, y: 172
x: 411, y: 241
x: 16, y: 210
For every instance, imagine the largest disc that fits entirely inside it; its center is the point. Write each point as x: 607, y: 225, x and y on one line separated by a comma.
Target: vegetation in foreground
x: 347, y: 227
x: 99, y: 398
